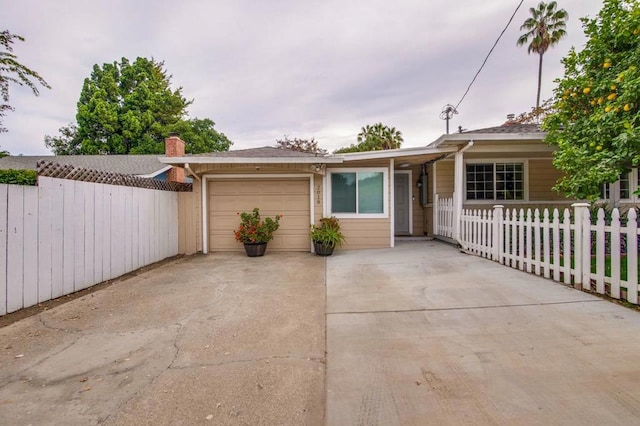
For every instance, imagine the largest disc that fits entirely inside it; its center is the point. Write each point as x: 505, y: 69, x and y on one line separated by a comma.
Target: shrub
x: 18, y: 177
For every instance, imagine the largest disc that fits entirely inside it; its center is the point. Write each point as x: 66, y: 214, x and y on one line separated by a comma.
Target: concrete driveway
x: 218, y: 339
x: 424, y: 335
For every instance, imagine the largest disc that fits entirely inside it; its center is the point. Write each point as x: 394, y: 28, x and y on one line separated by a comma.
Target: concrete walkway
x: 424, y: 335
x: 218, y: 339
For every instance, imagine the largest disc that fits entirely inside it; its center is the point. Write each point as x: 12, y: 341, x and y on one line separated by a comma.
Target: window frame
x: 633, y: 177
x: 356, y: 215
x: 494, y: 162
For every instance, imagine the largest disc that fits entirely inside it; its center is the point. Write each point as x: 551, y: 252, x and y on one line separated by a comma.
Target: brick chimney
x: 174, y: 147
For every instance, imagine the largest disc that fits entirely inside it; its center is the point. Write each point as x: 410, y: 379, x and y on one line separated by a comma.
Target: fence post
x: 497, y: 233
x: 632, y: 256
x: 578, y: 251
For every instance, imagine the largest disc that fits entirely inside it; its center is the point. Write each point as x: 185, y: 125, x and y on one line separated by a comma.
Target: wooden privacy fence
x: 601, y: 256
x: 64, y: 235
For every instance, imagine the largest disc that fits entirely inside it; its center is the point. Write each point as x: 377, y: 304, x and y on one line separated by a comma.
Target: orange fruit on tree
x: 612, y: 96
x: 586, y: 90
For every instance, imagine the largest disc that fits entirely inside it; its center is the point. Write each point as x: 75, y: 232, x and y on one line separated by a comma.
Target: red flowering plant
x: 254, y: 229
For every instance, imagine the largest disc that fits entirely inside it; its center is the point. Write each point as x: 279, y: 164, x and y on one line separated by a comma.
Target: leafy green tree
x: 596, y: 123
x: 125, y: 108
x: 200, y: 136
x: 544, y: 28
x: 375, y: 138
x: 129, y: 108
x: 12, y: 71
x: 302, y: 145
x: 66, y: 143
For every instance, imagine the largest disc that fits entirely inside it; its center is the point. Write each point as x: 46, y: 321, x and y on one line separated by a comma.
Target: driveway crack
x: 463, y: 308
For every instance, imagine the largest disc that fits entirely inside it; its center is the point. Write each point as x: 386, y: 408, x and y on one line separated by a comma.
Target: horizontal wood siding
x: 365, y: 233
x: 542, y: 177
x: 444, y: 178
x: 188, y: 221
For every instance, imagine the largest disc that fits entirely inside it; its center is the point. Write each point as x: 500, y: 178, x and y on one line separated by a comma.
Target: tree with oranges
x: 596, y: 118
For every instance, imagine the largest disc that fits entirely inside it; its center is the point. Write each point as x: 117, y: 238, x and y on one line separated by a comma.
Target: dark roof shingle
x: 262, y: 152
x: 509, y: 128
x: 124, y: 164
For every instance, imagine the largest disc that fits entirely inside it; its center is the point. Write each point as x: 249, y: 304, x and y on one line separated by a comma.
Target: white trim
x: 250, y: 160
x: 392, y: 198
x: 397, y: 153
x: 385, y: 193
x: 464, y: 137
x: 410, y: 184
x: 156, y: 173
x: 207, y: 177
x: 205, y: 215
x: 312, y: 210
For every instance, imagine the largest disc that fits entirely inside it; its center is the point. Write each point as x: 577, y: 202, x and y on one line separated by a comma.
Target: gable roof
x: 262, y: 152
x: 265, y: 154
x: 141, y: 165
x: 510, y: 127
x: 508, y: 132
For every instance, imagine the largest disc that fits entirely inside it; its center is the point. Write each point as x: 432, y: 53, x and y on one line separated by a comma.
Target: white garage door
x: 289, y: 197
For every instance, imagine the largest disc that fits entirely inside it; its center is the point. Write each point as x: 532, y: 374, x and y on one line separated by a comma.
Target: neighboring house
x: 377, y: 195
x: 146, y: 166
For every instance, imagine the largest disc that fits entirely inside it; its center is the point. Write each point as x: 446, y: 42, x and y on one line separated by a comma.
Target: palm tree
x: 545, y: 28
x: 379, y: 137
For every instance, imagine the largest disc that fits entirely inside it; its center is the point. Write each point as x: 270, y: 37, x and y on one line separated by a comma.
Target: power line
x: 489, y: 54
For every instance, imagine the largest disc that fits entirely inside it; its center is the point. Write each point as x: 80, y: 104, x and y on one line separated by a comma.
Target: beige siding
x: 366, y: 233
x: 444, y: 178
x: 188, y: 216
x: 542, y: 177
x: 428, y: 222
x: 289, y: 197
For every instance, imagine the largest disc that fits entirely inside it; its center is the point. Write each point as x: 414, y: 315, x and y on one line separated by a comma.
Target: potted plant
x: 255, y: 232
x: 326, y: 236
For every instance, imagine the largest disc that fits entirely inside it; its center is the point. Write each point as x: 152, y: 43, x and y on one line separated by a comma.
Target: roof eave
x: 396, y: 153
x: 459, y: 138
x: 251, y: 160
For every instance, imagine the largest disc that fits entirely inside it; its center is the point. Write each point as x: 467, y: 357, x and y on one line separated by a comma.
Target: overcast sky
x: 302, y: 68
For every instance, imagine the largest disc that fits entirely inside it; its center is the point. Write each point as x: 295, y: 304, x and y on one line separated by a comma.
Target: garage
x: 286, y: 196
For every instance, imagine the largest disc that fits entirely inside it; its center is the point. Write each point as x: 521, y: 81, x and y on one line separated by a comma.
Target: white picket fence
x: 554, y: 246
x: 63, y: 236
x: 443, y: 223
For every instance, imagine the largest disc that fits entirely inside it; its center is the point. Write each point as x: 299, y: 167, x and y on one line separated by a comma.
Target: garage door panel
x: 289, y: 197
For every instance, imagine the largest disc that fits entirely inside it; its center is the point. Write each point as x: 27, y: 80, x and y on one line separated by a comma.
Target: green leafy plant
x: 328, y: 232
x: 254, y: 229
x: 595, y: 122
x: 18, y: 177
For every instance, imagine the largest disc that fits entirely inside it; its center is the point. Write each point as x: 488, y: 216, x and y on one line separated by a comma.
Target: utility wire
x: 489, y: 54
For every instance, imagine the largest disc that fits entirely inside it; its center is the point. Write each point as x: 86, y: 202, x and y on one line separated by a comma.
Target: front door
x: 402, y: 206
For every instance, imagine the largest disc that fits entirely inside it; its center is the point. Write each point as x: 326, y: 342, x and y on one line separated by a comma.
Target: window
x: 358, y: 192
x: 623, y: 188
x: 495, y: 181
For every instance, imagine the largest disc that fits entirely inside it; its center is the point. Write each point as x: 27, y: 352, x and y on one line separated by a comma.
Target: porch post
x: 458, y: 192
x: 392, y: 204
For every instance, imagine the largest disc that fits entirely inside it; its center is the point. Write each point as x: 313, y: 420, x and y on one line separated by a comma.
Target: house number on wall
x: 318, y: 195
